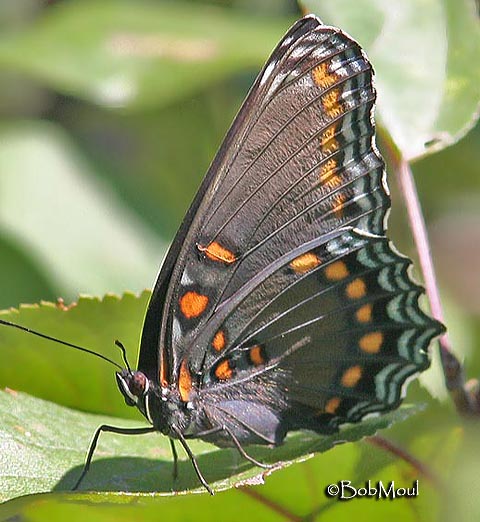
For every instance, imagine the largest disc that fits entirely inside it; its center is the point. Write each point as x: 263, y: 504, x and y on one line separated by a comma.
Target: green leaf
x: 135, y: 54
x: 295, y: 492
x: 44, y: 444
x: 87, y: 239
x: 64, y: 375
x: 464, y: 479
x: 425, y: 55
x: 25, y: 280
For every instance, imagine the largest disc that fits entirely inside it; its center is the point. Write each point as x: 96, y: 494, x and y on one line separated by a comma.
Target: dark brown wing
x: 299, y: 162
x: 326, y: 334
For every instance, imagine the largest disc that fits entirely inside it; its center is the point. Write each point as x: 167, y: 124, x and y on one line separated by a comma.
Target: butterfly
x: 281, y: 304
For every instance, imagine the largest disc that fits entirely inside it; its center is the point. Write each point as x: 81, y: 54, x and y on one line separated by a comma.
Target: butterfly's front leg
x: 93, y: 444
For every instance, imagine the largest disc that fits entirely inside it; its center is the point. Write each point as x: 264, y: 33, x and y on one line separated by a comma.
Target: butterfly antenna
x: 124, y: 354
x: 59, y: 341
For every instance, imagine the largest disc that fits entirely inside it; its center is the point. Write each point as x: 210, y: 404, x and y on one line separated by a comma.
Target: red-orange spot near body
x: 193, y: 304
x: 216, y: 252
x: 184, y: 381
x: 163, y: 371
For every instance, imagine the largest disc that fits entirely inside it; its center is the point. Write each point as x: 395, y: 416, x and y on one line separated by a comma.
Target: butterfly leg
x: 93, y: 444
x: 175, y: 459
x: 237, y: 444
x: 183, y: 442
x: 244, y: 454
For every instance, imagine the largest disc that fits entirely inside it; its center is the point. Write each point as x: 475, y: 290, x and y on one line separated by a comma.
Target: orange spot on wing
x: 331, y: 103
x: 256, y: 355
x: 304, y: 263
x: 339, y: 203
x: 356, y: 289
x: 330, y: 148
x: 224, y: 370
x: 328, y: 169
x: 332, y: 405
x: 216, y: 252
x: 322, y: 76
x: 371, y: 342
x: 351, y: 376
x: 336, y: 271
x: 364, y: 313
x: 219, y: 341
x: 329, y: 179
x: 328, y: 142
x: 184, y: 381
x: 163, y: 369
x: 193, y: 304
x: 327, y: 135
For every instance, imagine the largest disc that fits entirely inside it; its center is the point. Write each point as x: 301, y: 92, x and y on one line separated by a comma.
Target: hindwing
x: 327, y: 334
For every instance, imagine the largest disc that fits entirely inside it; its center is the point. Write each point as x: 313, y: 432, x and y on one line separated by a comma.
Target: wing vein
x: 280, y: 130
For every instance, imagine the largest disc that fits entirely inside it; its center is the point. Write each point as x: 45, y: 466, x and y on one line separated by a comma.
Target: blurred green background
x: 110, y: 113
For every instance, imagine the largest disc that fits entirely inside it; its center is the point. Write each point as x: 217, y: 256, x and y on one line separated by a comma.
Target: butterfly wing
x: 151, y: 360
x: 282, y: 252
x: 325, y: 335
x: 298, y: 162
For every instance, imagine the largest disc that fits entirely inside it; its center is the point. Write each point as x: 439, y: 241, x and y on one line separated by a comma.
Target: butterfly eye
x: 138, y: 384
x: 132, y: 385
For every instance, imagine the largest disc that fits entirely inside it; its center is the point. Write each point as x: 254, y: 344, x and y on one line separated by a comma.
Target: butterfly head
x: 134, y: 387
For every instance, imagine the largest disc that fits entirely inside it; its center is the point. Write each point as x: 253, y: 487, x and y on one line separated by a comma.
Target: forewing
x: 298, y: 163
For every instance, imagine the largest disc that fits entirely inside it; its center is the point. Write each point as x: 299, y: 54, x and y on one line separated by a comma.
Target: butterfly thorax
x: 162, y: 406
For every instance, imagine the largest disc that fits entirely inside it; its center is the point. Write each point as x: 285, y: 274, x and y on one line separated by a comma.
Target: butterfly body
x: 165, y: 409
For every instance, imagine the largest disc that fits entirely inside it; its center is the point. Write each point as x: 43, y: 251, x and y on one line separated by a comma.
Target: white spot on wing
x: 186, y: 279
x: 176, y: 331
x: 268, y: 72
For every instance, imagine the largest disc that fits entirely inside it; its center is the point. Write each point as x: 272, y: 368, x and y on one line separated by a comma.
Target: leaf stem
x: 421, y: 468
x: 274, y: 506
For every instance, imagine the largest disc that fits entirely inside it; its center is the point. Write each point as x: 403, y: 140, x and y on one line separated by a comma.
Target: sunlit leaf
x: 118, y: 53
x: 43, y: 448
x: 425, y: 55
x: 77, y: 231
